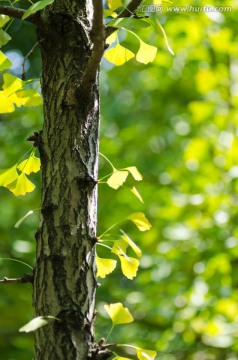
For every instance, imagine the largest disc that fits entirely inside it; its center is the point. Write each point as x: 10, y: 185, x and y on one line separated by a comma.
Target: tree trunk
x: 64, y: 278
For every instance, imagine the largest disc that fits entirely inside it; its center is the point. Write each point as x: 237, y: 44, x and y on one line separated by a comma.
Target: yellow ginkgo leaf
x: 118, y: 313
x: 11, y: 84
x: 112, y: 38
x: 21, y: 186
x: 27, y: 97
x: 140, y: 221
x: 144, y: 354
x: 31, y: 165
x: 130, y: 242
x: 129, y: 266
x: 120, y: 358
x: 105, y: 266
x: 146, y: 53
x: 118, y: 55
x: 6, y: 105
x: 114, y: 4
x: 5, y: 63
x: 135, y: 173
x: 110, y: 13
x: 137, y: 194
x: 117, y: 179
x: 8, y: 176
x: 119, y: 247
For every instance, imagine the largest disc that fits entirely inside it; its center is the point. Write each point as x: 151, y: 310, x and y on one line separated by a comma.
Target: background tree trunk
x: 64, y: 281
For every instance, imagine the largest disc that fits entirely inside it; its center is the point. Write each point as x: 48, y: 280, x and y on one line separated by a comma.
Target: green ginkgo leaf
x: 119, y: 55
x: 8, y: 176
x: 21, y: 186
x: 105, y: 266
x: 140, y: 221
x: 36, y: 7
x: 30, y: 165
x: 117, y: 179
x: 3, y: 19
x: 118, y: 313
x: 129, y: 266
x: 37, y: 323
x: 4, y: 38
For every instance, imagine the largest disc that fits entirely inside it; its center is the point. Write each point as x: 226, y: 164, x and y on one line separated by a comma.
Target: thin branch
x: 127, y: 12
x: 27, y: 278
x: 27, y: 56
x: 97, y: 36
x: 17, y: 13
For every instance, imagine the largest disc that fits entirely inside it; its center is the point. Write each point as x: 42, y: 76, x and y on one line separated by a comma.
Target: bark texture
x: 64, y: 278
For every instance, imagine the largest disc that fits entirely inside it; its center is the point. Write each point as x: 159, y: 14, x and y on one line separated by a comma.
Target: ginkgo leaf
x: 8, y: 176
x: 37, y: 323
x: 6, y: 105
x: 32, y: 164
x: 135, y: 173
x: 114, y: 4
x: 137, y: 194
x: 144, y: 354
x: 120, y: 358
x: 117, y: 179
x: 18, y: 223
x: 21, y: 186
x: 36, y: 7
x: 131, y: 243
x: 3, y: 19
x: 140, y: 221
x: 112, y: 38
x: 118, y: 55
x: 5, y: 63
x: 119, y: 247
x: 105, y: 266
x: 4, y: 38
x: 129, y: 266
x: 11, y: 84
x: 118, y: 313
x: 146, y: 53
x: 111, y: 13
x: 28, y: 97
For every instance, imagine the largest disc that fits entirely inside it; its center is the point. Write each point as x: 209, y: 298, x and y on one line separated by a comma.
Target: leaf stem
x: 21, y: 262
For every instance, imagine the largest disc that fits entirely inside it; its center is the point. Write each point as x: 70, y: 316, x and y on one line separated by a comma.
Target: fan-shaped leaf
x: 140, y: 221
x: 146, y: 53
x: 21, y: 186
x: 118, y: 55
x: 135, y: 173
x: 8, y: 176
x: 36, y: 7
x: 105, y: 266
x: 30, y: 165
x: 117, y: 179
x: 129, y: 266
x: 118, y: 313
x: 5, y: 63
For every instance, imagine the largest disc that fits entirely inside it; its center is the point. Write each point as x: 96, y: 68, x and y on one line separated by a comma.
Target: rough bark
x: 64, y: 276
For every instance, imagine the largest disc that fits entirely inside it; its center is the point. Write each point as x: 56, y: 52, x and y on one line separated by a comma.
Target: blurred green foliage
x: 176, y: 120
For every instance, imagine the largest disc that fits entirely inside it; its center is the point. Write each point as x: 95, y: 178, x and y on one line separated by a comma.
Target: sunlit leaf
x: 118, y: 55
x: 37, y: 323
x: 8, y: 176
x: 30, y: 165
x: 131, y: 243
x: 140, y: 221
x: 21, y: 186
x: 105, y: 266
x: 117, y: 179
x: 144, y: 354
x: 36, y: 7
x: 137, y: 194
x: 11, y: 84
x: 118, y: 313
x: 111, y: 13
x: 135, y: 173
x: 3, y: 19
x: 112, y: 38
x: 6, y: 105
x: 5, y: 63
x: 129, y: 266
x: 121, y: 358
x: 28, y: 97
x: 119, y: 247
x: 114, y: 4
x: 4, y: 38
x: 18, y: 223
x: 146, y: 53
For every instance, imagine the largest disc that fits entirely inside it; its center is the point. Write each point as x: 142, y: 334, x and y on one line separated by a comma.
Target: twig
x: 127, y: 12
x: 17, y: 13
x: 27, y: 56
x: 97, y: 36
x: 27, y: 278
